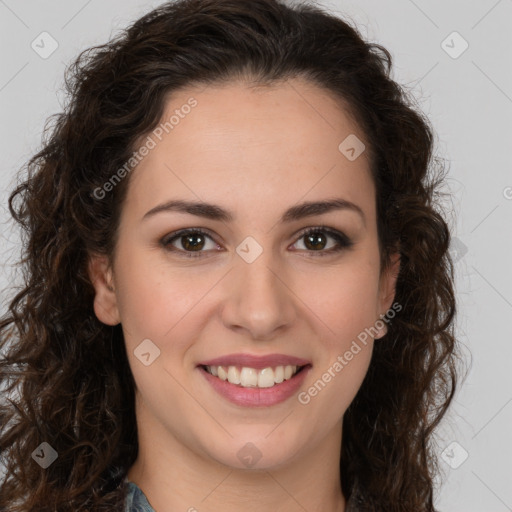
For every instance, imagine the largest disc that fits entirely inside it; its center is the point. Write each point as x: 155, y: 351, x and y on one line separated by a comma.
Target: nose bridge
x: 259, y: 277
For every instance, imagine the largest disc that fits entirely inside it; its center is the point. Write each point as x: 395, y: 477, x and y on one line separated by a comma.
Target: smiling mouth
x: 247, y: 377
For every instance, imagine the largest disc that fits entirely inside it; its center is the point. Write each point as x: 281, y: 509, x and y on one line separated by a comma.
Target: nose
x: 259, y: 299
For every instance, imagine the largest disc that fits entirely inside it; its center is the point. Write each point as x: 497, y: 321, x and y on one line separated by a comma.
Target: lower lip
x: 256, y: 397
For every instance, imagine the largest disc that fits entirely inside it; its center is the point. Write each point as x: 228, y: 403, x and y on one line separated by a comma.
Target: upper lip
x: 257, y: 362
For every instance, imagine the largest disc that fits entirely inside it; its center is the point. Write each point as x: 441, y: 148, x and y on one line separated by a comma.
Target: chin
x: 257, y: 452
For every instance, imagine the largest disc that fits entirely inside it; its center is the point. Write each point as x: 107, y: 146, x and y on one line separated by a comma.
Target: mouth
x: 249, y: 377
x: 255, y: 380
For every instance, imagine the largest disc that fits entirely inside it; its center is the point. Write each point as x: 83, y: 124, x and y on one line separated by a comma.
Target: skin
x: 255, y: 151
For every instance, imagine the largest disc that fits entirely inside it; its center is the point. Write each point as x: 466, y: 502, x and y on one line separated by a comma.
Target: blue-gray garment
x: 137, y: 502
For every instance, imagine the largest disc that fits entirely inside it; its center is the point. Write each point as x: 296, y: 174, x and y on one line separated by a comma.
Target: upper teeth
x: 250, y: 377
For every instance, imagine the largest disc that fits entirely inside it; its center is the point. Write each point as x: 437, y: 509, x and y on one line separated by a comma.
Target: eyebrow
x: 294, y: 213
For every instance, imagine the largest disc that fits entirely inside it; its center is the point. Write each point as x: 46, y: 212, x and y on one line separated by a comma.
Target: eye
x: 315, y: 240
x: 193, y: 240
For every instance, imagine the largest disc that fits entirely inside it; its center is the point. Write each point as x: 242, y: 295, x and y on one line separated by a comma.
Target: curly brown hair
x: 67, y: 374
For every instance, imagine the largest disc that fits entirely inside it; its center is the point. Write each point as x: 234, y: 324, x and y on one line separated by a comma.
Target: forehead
x: 243, y: 145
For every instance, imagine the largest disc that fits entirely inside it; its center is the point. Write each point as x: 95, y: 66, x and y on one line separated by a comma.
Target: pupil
x: 188, y: 241
x: 315, y: 240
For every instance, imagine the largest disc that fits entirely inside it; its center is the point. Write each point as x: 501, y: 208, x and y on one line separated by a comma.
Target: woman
x: 238, y: 292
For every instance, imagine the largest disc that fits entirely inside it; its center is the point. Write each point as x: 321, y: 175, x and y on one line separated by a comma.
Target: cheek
x: 152, y: 298
x: 335, y: 387
x: 346, y: 301
x: 342, y: 359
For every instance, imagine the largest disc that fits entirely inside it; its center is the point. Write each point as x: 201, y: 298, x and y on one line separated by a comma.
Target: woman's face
x: 251, y: 285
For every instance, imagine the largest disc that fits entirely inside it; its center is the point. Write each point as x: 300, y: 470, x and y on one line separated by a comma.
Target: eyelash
x: 342, y: 240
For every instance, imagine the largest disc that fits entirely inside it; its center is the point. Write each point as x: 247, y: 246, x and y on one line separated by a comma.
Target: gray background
x: 469, y: 101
